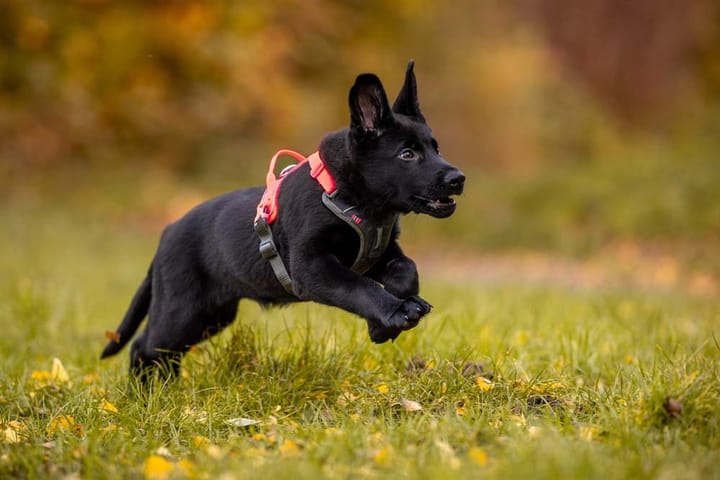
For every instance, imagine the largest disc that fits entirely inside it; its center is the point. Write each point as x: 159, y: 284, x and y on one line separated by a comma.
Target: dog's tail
x: 133, y: 318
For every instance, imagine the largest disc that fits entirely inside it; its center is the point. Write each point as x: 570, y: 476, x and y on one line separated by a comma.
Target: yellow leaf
x: 58, y: 372
x: 478, y: 455
x: 57, y: 375
x: 186, y: 467
x: 382, y: 457
x: 382, y: 388
x: 157, y: 468
x: 106, y: 406
x: 63, y: 422
x: 289, y: 447
x: 200, y: 441
x: 484, y: 384
x: 17, y: 426
x: 11, y: 436
x: 41, y: 378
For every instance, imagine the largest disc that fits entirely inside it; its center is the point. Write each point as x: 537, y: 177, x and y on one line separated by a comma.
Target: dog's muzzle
x: 439, y: 203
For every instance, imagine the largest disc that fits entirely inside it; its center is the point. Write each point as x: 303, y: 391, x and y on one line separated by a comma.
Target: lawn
x: 502, y: 380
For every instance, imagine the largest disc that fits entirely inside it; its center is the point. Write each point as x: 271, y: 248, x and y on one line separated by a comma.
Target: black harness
x: 374, y: 238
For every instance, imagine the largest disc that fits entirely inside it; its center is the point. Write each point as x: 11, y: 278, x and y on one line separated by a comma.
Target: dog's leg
x: 323, y: 279
x: 398, y: 274
x: 168, y: 337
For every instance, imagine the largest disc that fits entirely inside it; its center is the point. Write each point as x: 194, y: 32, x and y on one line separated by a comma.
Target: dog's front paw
x: 408, y: 314
x: 380, y: 333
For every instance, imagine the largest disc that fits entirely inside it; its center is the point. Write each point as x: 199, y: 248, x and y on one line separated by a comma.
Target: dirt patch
x: 619, y: 266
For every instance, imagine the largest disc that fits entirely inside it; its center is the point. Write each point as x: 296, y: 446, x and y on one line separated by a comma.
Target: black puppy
x: 385, y: 164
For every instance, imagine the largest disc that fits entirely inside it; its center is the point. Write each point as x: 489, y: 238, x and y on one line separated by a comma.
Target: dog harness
x: 374, y: 238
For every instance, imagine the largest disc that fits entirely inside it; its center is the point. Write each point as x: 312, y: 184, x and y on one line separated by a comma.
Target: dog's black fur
x: 387, y: 162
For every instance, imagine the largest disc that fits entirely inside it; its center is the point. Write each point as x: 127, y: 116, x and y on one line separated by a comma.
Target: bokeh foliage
x: 578, y: 124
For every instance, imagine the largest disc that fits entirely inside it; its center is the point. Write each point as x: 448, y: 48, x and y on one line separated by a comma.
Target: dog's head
x: 395, y: 153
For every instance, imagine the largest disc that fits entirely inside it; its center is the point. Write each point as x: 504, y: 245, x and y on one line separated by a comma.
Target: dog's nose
x: 455, y: 180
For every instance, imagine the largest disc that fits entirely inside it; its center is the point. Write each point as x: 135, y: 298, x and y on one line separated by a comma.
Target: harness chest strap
x: 374, y: 239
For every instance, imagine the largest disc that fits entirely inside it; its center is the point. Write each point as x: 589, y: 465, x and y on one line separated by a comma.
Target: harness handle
x: 267, y: 208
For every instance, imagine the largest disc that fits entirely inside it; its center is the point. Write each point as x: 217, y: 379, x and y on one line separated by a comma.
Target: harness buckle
x: 261, y: 227
x: 267, y: 245
x: 267, y: 249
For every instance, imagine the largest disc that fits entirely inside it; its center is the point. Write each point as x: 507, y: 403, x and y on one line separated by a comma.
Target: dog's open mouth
x: 437, y: 207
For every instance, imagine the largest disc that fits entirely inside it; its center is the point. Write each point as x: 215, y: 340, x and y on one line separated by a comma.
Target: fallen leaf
x: 163, y: 452
x: 484, y: 384
x: 289, y: 447
x: 241, y: 422
x: 409, y: 405
x: 106, y: 406
x: 157, y: 468
x: 12, y: 432
x: 200, y: 441
x: 382, y: 457
x: 58, y: 372
x: 186, y: 467
x: 478, y: 455
x: 63, y: 423
x: 56, y: 376
x: 346, y: 398
x: 11, y: 436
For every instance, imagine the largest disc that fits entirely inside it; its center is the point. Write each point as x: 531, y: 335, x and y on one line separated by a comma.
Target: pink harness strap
x: 268, y: 206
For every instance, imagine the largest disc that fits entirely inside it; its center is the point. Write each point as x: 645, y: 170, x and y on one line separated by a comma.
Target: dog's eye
x: 408, y: 154
x: 435, y: 146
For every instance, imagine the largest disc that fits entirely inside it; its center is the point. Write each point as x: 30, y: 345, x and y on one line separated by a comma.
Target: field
x: 506, y: 378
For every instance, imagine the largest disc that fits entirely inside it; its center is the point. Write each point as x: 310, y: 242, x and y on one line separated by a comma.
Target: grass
x: 500, y: 381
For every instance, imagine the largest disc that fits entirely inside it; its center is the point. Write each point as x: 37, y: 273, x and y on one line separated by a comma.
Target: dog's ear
x: 407, y: 100
x: 369, y: 107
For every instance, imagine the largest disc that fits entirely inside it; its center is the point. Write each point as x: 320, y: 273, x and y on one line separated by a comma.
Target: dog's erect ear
x: 407, y: 100
x: 369, y: 107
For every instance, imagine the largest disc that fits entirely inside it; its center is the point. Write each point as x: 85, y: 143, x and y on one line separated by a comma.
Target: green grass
x: 577, y: 380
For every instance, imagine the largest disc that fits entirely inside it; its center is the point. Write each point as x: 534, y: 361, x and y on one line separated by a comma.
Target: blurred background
x: 589, y: 131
